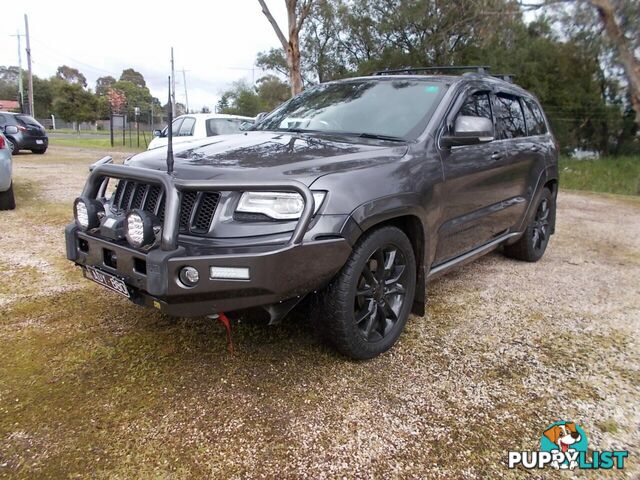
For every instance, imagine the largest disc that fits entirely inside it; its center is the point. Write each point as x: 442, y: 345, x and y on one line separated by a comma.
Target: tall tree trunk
x: 626, y: 57
x: 291, y: 46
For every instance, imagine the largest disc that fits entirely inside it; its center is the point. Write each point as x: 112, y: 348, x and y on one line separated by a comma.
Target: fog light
x: 189, y: 276
x: 141, y: 229
x: 229, y: 273
x: 87, y: 213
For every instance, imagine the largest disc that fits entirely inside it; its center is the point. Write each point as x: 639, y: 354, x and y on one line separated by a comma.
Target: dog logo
x: 564, y: 437
x: 563, y: 445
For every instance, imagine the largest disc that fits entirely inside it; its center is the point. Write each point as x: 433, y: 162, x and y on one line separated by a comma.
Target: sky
x: 214, y: 41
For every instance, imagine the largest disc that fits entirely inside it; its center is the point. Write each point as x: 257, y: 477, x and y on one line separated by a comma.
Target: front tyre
x: 533, y: 243
x: 367, y: 304
x: 7, y: 200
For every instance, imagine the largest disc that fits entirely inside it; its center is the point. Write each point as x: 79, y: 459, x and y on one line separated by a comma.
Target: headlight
x: 88, y: 213
x: 277, y: 205
x: 141, y: 229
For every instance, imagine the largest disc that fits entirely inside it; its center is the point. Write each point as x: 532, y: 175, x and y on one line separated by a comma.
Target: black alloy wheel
x: 369, y: 301
x: 380, y: 293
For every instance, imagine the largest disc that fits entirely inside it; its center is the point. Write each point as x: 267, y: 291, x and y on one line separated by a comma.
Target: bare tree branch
x: 274, y: 24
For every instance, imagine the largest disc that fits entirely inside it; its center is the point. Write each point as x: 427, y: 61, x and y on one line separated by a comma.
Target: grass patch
x: 97, y: 143
x: 620, y: 175
x: 608, y: 426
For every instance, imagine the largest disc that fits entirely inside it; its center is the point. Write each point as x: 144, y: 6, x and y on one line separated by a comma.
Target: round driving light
x: 87, y: 213
x: 141, y: 229
x: 189, y: 276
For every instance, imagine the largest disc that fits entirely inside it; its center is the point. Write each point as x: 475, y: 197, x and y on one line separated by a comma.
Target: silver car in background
x: 7, y: 201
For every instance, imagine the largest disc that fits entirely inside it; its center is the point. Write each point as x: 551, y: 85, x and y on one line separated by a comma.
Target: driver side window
x: 477, y: 105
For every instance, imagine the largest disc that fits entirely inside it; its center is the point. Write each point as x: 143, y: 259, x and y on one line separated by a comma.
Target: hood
x: 255, y: 156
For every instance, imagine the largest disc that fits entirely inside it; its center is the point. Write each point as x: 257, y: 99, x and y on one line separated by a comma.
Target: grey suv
x: 7, y: 201
x: 358, y: 191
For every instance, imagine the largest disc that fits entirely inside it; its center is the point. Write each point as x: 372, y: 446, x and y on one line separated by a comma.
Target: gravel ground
x: 92, y: 386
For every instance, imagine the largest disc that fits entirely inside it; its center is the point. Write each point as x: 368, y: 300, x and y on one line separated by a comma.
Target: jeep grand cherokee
x: 358, y: 190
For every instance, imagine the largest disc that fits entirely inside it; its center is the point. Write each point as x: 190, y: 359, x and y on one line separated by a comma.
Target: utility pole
x: 186, y: 97
x: 20, y: 86
x: 26, y: 31
x: 173, y: 87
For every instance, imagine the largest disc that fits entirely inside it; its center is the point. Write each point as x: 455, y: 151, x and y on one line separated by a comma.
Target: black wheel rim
x: 540, y: 231
x: 380, y: 293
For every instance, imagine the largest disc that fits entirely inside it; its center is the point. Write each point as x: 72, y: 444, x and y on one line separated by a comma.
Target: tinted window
x: 477, y: 105
x: 223, y: 126
x: 28, y: 120
x: 391, y: 107
x: 510, y: 117
x: 534, y: 118
x: 186, y: 129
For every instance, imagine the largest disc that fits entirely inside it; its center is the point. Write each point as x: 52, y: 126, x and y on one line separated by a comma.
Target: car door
x: 474, y: 184
x: 522, y: 154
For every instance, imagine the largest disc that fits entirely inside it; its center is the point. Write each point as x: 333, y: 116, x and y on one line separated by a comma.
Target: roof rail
x: 507, y: 77
x: 445, y: 68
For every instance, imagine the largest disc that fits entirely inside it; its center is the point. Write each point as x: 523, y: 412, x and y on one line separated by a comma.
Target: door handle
x: 496, y: 156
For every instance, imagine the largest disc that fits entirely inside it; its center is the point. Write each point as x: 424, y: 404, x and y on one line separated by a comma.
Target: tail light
x: 2, y: 142
x: 21, y: 128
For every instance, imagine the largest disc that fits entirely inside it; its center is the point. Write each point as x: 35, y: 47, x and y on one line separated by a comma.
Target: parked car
x: 7, y: 201
x: 195, y: 126
x: 24, y: 132
x: 361, y: 190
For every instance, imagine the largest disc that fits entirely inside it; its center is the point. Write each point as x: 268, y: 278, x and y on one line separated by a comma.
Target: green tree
x: 71, y: 75
x: 130, y: 75
x: 103, y: 84
x: 74, y: 104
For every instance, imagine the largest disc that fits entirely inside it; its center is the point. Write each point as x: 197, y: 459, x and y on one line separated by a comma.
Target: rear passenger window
x: 186, y: 129
x: 510, y: 117
x: 534, y: 118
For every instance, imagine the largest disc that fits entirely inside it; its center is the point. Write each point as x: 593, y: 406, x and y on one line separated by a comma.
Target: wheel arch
x: 413, y: 227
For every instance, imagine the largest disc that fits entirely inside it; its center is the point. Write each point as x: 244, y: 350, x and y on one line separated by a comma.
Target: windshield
x: 397, y: 108
x: 223, y: 126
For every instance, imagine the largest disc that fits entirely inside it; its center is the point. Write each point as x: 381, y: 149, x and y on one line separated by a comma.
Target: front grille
x: 196, y: 208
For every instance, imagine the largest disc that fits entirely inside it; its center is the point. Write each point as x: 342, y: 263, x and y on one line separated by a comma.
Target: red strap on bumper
x: 227, y: 325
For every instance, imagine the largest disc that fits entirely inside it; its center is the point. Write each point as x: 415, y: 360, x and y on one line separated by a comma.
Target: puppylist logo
x: 563, y: 445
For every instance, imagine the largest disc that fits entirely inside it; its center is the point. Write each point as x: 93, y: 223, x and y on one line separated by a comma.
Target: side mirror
x: 157, y: 133
x: 10, y: 129
x: 261, y: 115
x: 469, y: 130
x: 246, y: 126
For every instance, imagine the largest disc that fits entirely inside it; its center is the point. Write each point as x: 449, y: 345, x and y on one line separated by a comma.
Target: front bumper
x: 277, y: 273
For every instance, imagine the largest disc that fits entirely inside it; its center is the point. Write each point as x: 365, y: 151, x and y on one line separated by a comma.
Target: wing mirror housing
x: 260, y: 116
x: 469, y: 130
x: 157, y: 133
x: 11, y: 130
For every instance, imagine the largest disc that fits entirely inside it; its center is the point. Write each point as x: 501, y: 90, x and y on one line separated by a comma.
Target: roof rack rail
x: 507, y: 77
x: 444, y: 68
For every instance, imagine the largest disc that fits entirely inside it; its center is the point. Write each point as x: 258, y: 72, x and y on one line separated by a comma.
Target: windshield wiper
x: 379, y: 137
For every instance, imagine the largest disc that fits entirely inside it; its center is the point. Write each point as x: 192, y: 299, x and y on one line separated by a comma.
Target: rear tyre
x: 39, y: 151
x: 13, y: 146
x: 7, y: 200
x: 533, y: 243
x: 367, y: 304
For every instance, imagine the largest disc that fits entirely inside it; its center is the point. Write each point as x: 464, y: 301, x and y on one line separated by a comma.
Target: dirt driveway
x: 92, y: 386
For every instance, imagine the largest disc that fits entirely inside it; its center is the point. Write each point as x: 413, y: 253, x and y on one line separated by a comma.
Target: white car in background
x: 195, y: 126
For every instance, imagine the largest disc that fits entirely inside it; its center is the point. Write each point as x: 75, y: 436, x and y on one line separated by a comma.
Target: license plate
x: 39, y: 142
x: 106, y: 280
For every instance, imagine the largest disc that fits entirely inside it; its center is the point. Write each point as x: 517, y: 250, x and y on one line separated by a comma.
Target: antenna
x: 170, y: 134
